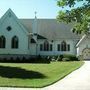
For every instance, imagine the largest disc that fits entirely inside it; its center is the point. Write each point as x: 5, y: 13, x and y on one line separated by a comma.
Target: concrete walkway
x: 77, y: 80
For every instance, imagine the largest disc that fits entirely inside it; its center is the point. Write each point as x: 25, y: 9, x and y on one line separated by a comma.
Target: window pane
x: 58, y: 47
x: 47, y: 47
x: 41, y: 47
x: 2, y: 42
x: 14, y: 42
x: 68, y: 47
x: 63, y: 46
x: 50, y: 47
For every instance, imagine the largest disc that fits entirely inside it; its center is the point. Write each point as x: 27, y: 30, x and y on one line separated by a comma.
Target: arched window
x: 14, y: 42
x: 2, y: 42
x: 46, y: 46
x: 63, y: 46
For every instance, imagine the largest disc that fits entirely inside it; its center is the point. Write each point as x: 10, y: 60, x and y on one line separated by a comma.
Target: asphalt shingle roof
x: 51, y: 29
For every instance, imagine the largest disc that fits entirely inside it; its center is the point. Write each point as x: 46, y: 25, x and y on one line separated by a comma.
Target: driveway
x: 77, y: 80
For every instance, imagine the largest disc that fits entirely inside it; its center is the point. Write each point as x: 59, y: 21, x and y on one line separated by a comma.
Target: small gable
x: 40, y: 37
x: 32, y: 40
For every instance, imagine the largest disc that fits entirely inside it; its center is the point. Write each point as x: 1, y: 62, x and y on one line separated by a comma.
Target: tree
x: 80, y: 15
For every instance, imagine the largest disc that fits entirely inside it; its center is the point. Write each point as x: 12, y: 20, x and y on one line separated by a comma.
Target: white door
x: 86, y: 54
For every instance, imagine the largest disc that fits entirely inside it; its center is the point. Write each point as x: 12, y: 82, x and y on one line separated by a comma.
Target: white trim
x: 16, y: 19
x: 83, y: 37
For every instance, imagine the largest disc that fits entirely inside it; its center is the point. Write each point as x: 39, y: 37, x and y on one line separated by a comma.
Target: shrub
x: 48, y: 58
x: 4, y: 58
x: 65, y: 59
x: 80, y: 57
x: 59, y: 58
x: 17, y: 60
x: 23, y: 58
x: 53, y: 58
x: 39, y: 57
x: 11, y: 59
x: 71, y: 57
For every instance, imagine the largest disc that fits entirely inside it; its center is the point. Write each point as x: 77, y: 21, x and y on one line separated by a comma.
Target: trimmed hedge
x: 37, y: 59
x: 71, y: 57
x: 65, y: 57
x: 40, y: 59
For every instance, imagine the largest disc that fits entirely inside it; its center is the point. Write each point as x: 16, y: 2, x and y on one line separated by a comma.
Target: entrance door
x: 86, y: 54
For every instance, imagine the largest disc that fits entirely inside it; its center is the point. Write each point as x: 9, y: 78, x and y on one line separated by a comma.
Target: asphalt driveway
x: 77, y: 80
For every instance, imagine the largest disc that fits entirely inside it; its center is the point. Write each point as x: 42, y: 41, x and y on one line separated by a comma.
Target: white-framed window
x: 63, y: 46
x: 58, y: 47
x: 2, y: 41
x: 14, y: 42
x: 46, y: 46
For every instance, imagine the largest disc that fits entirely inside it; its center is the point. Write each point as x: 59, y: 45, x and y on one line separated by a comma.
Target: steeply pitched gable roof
x: 11, y: 14
x: 46, y: 28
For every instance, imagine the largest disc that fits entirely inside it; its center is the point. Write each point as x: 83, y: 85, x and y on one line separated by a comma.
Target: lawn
x: 35, y: 75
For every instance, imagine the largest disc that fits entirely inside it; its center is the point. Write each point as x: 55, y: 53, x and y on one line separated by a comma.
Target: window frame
x: 15, y: 42
x: 2, y: 42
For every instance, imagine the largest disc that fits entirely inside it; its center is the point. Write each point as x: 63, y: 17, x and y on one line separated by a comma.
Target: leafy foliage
x: 80, y: 15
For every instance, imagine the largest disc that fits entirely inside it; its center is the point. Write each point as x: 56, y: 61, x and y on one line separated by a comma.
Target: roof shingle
x: 51, y: 29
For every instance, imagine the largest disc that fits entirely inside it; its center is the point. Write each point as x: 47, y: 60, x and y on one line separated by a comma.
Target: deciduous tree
x: 78, y: 14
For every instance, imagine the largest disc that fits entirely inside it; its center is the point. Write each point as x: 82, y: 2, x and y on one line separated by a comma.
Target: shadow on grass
x: 16, y: 72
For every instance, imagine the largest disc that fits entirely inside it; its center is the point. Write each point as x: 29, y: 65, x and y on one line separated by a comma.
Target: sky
x: 27, y: 8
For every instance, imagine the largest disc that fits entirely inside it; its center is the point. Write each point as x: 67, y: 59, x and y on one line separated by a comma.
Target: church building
x: 32, y: 37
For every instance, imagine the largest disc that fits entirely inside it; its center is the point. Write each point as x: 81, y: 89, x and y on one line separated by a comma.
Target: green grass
x: 35, y: 75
